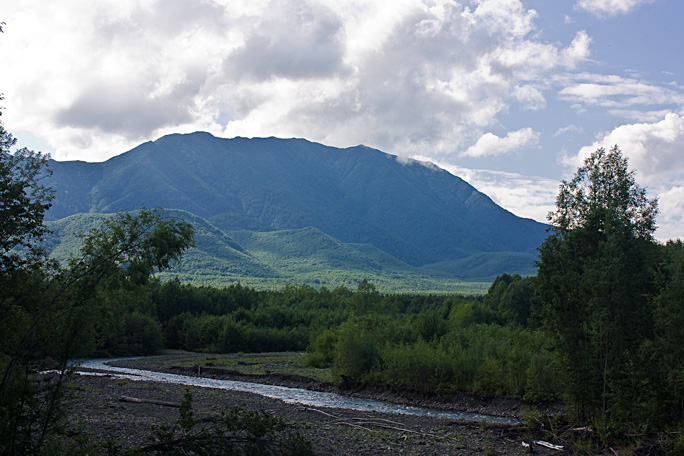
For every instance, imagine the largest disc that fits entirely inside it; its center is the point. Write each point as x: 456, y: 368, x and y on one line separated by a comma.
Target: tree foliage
x: 593, y: 281
x: 53, y: 313
x: 664, y: 354
x: 603, y: 197
x: 95, y: 302
x: 23, y: 202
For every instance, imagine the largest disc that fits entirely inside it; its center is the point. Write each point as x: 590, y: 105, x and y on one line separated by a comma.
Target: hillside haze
x: 416, y: 213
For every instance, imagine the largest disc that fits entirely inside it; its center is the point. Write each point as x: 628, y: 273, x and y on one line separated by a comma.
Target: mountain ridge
x: 416, y: 212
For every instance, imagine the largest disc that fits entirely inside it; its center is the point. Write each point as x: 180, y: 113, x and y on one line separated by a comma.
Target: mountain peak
x: 359, y: 195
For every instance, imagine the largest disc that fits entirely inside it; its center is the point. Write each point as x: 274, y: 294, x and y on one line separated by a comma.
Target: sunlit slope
x: 417, y: 214
x: 273, y: 259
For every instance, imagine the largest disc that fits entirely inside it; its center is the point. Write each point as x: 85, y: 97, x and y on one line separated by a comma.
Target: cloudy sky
x: 508, y: 94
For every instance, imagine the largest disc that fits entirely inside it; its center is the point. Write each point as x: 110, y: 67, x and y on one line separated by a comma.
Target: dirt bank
x: 450, y: 401
x: 99, y: 412
x: 96, y: 410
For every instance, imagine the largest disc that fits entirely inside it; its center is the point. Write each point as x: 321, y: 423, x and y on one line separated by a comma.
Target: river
x: 286, y: 394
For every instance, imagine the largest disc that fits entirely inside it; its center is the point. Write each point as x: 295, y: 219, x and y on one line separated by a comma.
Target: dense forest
x: 599, y: 327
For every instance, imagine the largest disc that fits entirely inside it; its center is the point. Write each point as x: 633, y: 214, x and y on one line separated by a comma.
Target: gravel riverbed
x: 97, y: 411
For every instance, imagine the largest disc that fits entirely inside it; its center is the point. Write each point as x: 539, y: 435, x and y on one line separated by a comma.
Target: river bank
x: 288, y: 369
x: 97, y: 411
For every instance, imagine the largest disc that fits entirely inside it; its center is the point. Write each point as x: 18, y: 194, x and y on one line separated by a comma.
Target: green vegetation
x: 600, y: 326
x: 274, y: 259
x: 431, y: 342
x: 275, y: 211
x: 605, y: 293
x: 51, y: 313
x: 246, y: 363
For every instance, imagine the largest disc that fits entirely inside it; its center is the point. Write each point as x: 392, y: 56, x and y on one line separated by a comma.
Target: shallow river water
x: 286, y: 394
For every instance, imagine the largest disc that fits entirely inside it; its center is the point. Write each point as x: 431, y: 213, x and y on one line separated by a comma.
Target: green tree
x: 24, y: 270
x: 666, y: 352
x: 23, y: 202
x: 366, y: 298
x: 59, y: 315
x: 593, y: 280
x: 512, y: 298
x: 356, y: 352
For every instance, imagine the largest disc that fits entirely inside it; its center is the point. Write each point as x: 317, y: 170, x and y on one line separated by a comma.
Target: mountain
x: 277, y: 198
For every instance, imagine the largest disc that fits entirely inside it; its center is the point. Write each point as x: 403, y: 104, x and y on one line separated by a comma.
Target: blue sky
x: 508, y: 94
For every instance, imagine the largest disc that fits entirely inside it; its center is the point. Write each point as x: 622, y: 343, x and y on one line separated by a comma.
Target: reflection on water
x: 286, y: 394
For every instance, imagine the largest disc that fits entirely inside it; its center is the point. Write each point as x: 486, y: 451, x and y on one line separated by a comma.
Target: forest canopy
x: 599, y: 327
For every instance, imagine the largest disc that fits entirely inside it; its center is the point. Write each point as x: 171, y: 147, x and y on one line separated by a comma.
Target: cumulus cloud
x: 578, y: 51
x: 490, y: 144
x: 653, y: 149
x: 607, y: 8
x: 671, y: 217
x: 525, y: 196
x: 294, y: 41
x: 115, y: 72
x: 403, y: 76
x: 530, y: 97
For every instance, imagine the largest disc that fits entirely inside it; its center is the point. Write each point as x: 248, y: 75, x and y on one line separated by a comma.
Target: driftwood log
x: 137, y: 400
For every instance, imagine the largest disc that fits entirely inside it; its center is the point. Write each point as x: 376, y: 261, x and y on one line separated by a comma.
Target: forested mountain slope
x: 417, y: 213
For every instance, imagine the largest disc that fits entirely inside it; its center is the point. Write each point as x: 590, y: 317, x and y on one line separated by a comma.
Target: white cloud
x: 100, y: 77
x: 525, y: 196
x: 578, y: 51
x: 530, y: 97
x: 403, y: 76
x: 654, y: 149
x: 639, y: 116
x: 616, y: 92
x: 568, y: 129
x: 671, y: 216
x: 606, y: 8
x: 490, y: 144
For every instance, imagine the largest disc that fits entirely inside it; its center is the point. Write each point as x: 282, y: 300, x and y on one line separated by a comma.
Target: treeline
x: 623, y: 366
x: 482, y: 344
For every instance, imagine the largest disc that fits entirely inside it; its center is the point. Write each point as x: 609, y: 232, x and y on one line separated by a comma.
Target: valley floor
x: 97, y: 411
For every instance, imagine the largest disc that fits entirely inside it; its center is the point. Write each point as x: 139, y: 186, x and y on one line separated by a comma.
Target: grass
x: 248, y: 364
x: 272, y: 260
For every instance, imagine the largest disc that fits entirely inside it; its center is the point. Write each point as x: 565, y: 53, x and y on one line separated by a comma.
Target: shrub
x: 357, y: 353
x: 142, y: 335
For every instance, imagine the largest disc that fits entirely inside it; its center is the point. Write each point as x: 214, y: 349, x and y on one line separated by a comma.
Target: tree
x: 512, y: 298
x: 603, y: 196
x: 666, y: 353
x: 47, y: 312
x: 593, y: 281
x: 23, y: 202
x: 366, y: 298
x: 73, y: 310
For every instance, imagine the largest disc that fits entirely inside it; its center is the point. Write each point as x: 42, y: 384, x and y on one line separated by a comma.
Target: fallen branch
x: 549, y: 445
x: 377, y: 420
x: 395, y: 428
x: 320, y: 411
x: 136, y: 400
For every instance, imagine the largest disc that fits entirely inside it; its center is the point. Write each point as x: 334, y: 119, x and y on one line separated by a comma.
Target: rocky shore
x: 97, y: 410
